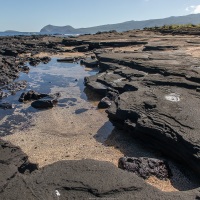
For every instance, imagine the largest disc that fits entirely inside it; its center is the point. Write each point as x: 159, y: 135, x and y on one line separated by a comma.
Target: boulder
x: 10, y: 52
x: 90, y: 63
x: 6, y: 106
x: 43, y: 104
x: 45, y: 59
x: 31, y: 95
x: 34, y: 61
x: 104, y: 103
x: 146, y: 167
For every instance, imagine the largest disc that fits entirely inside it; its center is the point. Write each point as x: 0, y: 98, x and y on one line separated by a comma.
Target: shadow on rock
x: 90, y: 95
x: 182, y: 178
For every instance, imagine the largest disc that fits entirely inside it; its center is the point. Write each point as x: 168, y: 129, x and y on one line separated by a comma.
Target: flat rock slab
x: 167, y: 63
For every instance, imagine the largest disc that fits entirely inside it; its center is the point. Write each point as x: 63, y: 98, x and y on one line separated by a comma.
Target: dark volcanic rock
x: 45, y: 59
x: 16, y: 86
x: 146, y: 167
x: 24, y: 69
x: 160, y: 46
x: 82, y: 48
x: 47, y: 100
x: 80, y: 179
x: 165, y: 63
x: 34, y: 61
x: 155, y: 96
x: 90, y: 63
x: 153, y: 104
x: 162, y: 117
x: 3, y: 94
x: 97, y: 87
x: 67, y: 59
x: 42, y: 104
x: 12, y: 162
x: 10, y: 52
x: 71, y: 42
x: 6, y: 106
x: 85, y: 179
x: 15, y: 52
x: 31, y: 95
x: 105, y: 103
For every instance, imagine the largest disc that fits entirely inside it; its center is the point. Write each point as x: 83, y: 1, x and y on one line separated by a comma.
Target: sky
x: 32, y: 15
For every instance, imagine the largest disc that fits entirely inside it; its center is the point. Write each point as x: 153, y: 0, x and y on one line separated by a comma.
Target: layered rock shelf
x: 156, y: 94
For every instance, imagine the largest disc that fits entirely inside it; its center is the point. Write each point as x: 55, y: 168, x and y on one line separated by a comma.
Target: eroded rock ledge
x: 73, y: 180
x: 156, y: 94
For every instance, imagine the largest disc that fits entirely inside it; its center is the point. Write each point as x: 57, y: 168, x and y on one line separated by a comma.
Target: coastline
x: 47, y: 141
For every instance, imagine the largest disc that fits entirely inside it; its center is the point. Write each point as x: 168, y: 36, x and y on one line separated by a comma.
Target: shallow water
x: 43, y: 79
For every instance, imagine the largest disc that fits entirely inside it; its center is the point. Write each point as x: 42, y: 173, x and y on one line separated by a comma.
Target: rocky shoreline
x: 83, y: 179
x: 150, y: 84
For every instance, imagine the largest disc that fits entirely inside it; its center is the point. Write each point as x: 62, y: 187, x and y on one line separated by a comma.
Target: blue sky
x: 32, y: 15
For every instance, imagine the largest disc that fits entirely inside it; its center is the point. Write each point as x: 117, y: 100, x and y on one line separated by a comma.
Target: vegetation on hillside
x: 173, y: 27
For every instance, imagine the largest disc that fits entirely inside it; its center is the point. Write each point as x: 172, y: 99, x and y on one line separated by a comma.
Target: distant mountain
x: 125, y: 26
x: 58, y: 29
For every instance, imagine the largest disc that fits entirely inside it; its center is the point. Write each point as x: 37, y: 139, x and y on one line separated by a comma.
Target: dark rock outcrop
x: 6, y: 106
x: 37, y: 61
x: 146, y: 167
x: 42, y: 104
x: 45, y: 59
x: 40, y: 100
x: 157, y: 96
x: 15, y: 52
x: 90, y: 63
x: 105, y: 103
x: 24, y: 69
x: 81, y: 179
x: 31, y: 95
x: 34, y: 61
x: 68, y: 59
x: 81, y: 48
x: 12, y: 162
x: 163, y: 118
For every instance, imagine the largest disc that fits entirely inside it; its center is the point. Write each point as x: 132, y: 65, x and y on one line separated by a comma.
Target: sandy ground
x: 194, y: 51
x: 60, y: 55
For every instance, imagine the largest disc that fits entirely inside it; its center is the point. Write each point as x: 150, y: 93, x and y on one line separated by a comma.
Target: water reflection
x: 66, y: 78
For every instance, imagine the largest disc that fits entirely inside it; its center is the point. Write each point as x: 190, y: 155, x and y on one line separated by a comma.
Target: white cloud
x: 196, y: 9
x: 193, y: 9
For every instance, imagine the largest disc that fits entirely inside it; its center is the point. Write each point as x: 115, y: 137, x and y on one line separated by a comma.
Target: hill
x: 125, y: 26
